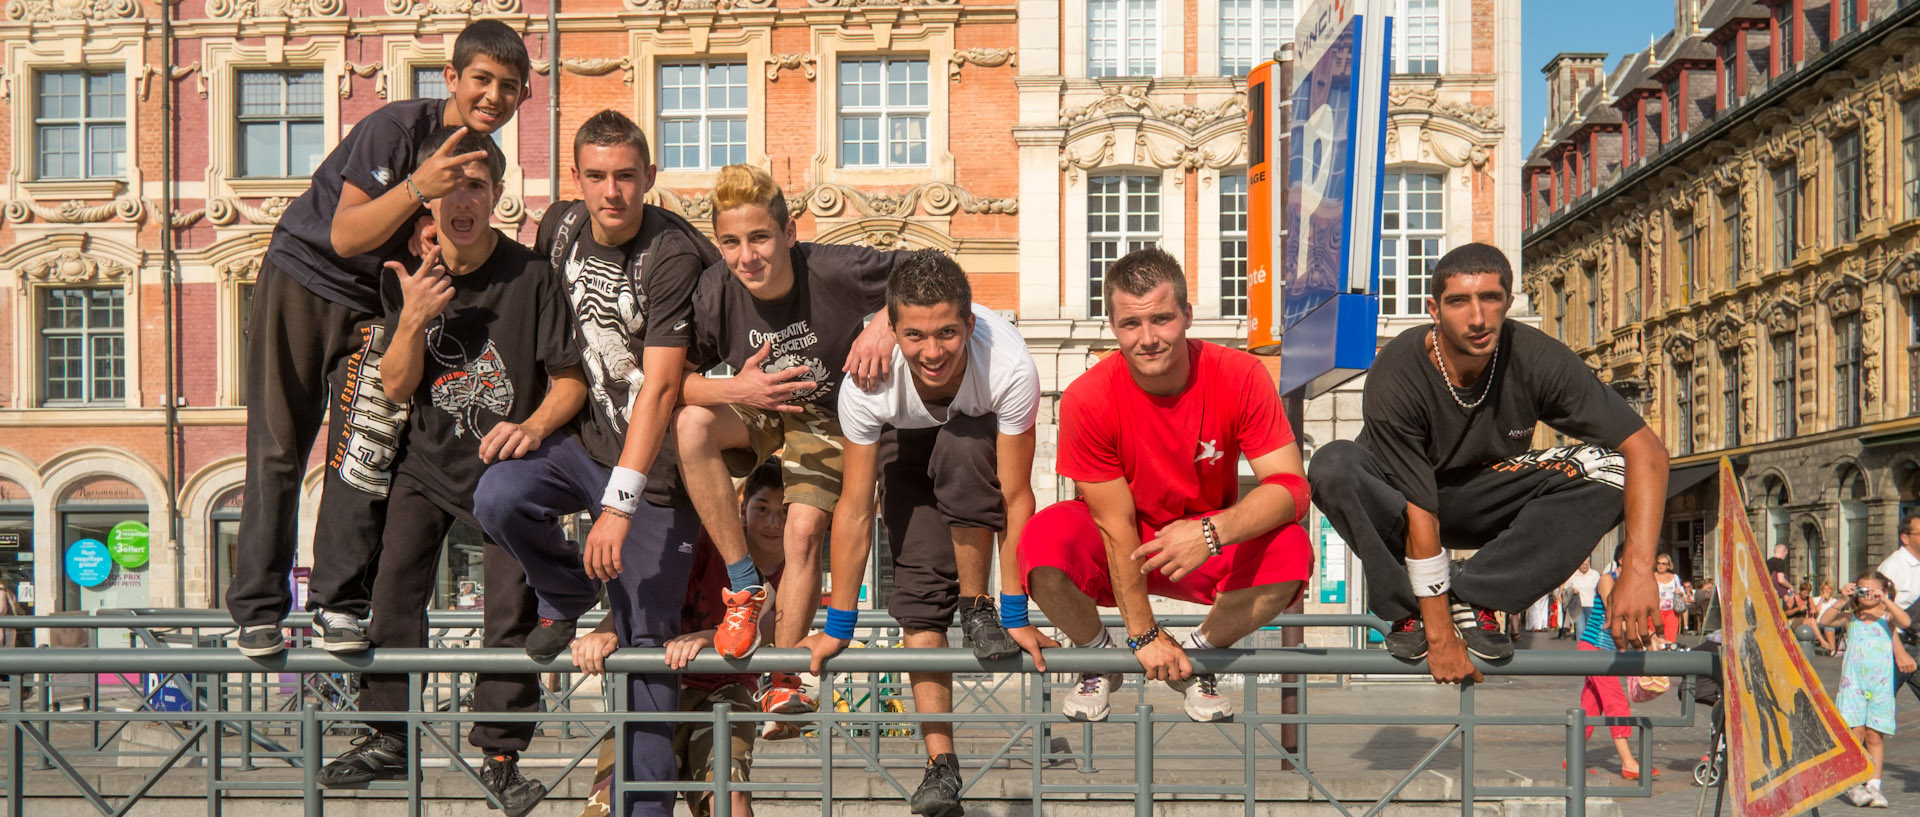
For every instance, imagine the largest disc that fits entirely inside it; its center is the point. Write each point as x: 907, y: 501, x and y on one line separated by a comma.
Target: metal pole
x: 722, y: 802
x: 1576, y: 762
x: 1466, y: 748
x: 311, y: 735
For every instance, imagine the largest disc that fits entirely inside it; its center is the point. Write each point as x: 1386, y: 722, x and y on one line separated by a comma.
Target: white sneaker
x: 1204, y: 703
x: 1857, y: 795
x: 1089, y: 699
x: 1875, y: 799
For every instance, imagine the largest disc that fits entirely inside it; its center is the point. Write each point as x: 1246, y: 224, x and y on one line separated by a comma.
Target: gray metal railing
x: 239, y: 727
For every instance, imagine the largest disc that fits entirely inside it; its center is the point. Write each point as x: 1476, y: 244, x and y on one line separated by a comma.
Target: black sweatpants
x: 304, y: 355
x: 1533, y: 519
x: 409, y: 554
x: 936, y: 479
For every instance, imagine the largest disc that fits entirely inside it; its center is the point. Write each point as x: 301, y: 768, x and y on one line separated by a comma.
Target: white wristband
x: 623, y: 490
x: 1431, y: 576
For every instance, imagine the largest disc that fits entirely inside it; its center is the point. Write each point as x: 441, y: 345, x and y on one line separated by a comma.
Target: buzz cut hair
x: 470, y: 141
x: 608, y: 129
x: 1470, y: 259
x: 928, y: 278
x: 741, y: 185
x: 494, y: 39
x: 1139, y: 272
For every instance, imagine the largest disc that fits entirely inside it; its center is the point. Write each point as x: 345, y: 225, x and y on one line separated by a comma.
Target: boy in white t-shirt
x: 960, y: 400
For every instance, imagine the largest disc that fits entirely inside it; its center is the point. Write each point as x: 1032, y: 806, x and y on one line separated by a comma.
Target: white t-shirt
x: 1000, y: 379
x: 1587, y: 584
x: 1904, y: 569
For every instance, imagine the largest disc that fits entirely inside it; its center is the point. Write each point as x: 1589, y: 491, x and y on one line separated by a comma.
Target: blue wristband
x: 1013, y: 611
x: 840, y: 622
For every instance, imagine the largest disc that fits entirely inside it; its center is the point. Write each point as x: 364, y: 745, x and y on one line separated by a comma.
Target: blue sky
x: 1548, y: 27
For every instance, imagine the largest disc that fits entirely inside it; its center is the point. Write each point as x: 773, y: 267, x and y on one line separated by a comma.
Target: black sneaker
x: 260, y: 641
x: 1408, y: 639
x: 339, y: 632
x: 550, y: 638
x: 517, y: 794
x: 1480, y: 630
x: 939, y: 792
x: 378, y: 756
x: 980, y: 623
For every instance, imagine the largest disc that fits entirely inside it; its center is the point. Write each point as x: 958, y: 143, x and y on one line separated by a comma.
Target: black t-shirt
x: 617, y: 316
x: 1424, y: 440
x: 376, y: 156
x: 835, y: 288
x: 487, y: 360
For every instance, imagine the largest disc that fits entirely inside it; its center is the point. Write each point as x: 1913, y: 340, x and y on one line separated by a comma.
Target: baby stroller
x: 1706, y: 692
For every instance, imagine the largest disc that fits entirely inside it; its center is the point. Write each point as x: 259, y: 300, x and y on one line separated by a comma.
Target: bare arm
x: 1014, y: 455
x: 1181, y: 547
x: 1446, y: 654
x: 652, y: 412
x: 853, y: 523
x: 751, y: 386
x: 563, y: 400
x: 1634, y: 608
x: 1111, y: 505
x: 423, y: 295
x: 1834, y: 616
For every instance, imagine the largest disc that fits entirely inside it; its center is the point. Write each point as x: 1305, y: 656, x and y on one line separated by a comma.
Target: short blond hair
x: 741, y: 185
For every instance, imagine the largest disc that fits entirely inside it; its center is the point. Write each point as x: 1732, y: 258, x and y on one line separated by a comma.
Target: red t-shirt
x: 704, y: 609
x: 1180, y: 454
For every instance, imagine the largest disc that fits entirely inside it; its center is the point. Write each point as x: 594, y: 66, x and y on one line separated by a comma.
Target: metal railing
x: 253, y: 731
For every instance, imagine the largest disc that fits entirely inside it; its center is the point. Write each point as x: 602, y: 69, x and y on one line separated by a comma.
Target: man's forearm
x: 564, y: 399
x: 1129, y: 585
x: 701, y: 390
x: 1645, y: 498
x: 1020, y: 505
x: 364, y: 227
x: 852, y: 519
x: 400, y: 365
x: 1262, y: 510
x: 646, y: 431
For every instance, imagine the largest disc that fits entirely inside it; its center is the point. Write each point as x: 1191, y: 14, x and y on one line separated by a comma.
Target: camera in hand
x: 1860, y: 592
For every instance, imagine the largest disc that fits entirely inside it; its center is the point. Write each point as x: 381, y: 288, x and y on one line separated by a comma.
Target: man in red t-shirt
x: 1152, y: 437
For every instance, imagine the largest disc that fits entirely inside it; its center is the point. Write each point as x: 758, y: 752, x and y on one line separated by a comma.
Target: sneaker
x: 1857, y: 796
x: 339, y: 632
x: 1875, y: 799
x: 1204, y: 703
x: 260, y: 641
x: 1089, y: 699
x: 779, y: 730
x: 980, y: 622
x: 377, y: 756
x: 1481, y: 631
x: 939, y: 792
x: 739, y: 633
x: 517, y: 795
x: 1407, y: 640
x: 781, y: 693
x: 550, y: 638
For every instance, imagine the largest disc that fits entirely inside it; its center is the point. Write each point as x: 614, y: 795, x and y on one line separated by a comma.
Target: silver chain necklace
x: 1433, y: 336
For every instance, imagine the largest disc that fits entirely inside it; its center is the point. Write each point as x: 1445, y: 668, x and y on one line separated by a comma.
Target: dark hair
x: 928, y: 278
x: 1906, y: 522
x: 1138, y: 272
x: 611, y: 128
x: 1470, y: 259
x: 472, y: 141
x: 765, y: 477
x: 495, y: 39
x: 1886, y: 585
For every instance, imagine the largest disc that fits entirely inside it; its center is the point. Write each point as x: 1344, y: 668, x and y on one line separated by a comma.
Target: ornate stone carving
x: 787, y: 62
x: 1781, y: 315
x: 239, y: 9
x: 510, y: 210
x: 1190, y: 156
x: 1137, y: 99
x: 696, y: 5
x: 1072, y: 164
x: 936, y: 198
x: 225, y: 211
x: 363, y: 72
x: 883, y: 240
x: 1903, y: 269
x: 598, y: 67
x: 465, y: 8
x: 1408, y: 99
x: 1842, y: 297
x: 1477, y: 153
x: 1680, y: 346
x: 984, y: 57
x: 46, y: 11
x: 859, y: 3
x: 69, y: 265
x: 239, y: 271
x: 1725, y: 331
x: 76, y: 211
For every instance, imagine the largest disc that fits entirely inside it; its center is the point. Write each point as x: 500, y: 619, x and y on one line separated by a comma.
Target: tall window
x: 282, y: 129
x: 1786, y: 385
x: 1683, y: 241
x: 883, y: 113
x: 1910, y: 153
x: 1676, y: 109
x: 1786, y: 214
x: 244, y: 302
x: 81, y: 125
x: 1123, y: 215
x: 224, y: 537
x: 83, y: 341
x: 1563, y: 314
x: 1730, y: 72
x: 703, y: 115
x: 1250, y: 31
x: 1683, y: 406
x: 1630, y: 134
x: 1730, y: 397
x: 429, y: 82
x: 1656, y: 119
x: 1233, y: 245
x: 1123, y: 38
x: 1593, y: 305
x: 1736, y: 244
x: 1762, y: 70
x: 1848, y: 16
x: 1847, y: 372
x: 1784, y: 23
x: 1412, y: 229
x: 1846, y: 187
x: 1421, y: 40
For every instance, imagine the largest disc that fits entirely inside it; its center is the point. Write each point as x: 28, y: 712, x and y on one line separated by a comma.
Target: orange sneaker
x: 739, y: 633
x: 781, y: 693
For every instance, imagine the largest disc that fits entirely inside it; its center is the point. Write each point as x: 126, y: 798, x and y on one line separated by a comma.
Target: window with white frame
x: 1910, y: 153
x: 1123, y: 215
x: 1848, y: 179
x: 429, y: 82
x: 1412, y: 231
x: 1123, y: 38
x: 1786, y: 385
x: 80, y: 124
x: 1419, y: 46
x: 1683, y: 407
x: 883, y: 112
x: 83, y: 343
x: 1786, y: 214
x: 282, y: 123
x: 1848, y: 379
x: 1730, y: 398
x: 1251, y: 31
x: 1233, y: 244
x: 703, y: 115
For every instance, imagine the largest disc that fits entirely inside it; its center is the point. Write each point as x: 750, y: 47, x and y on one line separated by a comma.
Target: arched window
x: 1853, y: 524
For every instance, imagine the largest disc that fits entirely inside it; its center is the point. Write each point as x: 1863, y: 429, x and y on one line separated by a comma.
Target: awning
x: 1685, y: 477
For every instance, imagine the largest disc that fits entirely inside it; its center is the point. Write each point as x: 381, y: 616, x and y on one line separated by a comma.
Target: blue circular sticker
x: 88, y: 562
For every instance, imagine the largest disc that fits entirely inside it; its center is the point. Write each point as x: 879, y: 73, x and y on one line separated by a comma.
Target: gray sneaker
x: 1875, y: 799
x: 339, y: 632
x: 1408, y: 639
x: 260, y: 641
x: 1856, y: 795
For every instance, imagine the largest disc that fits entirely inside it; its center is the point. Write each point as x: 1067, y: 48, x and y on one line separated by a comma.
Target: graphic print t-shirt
x: 376, y: 156
x: 834, y: 289
x: 1423, y: 440
x: 487, y: 360
x: 1180, y: 454
x: 617, y: 317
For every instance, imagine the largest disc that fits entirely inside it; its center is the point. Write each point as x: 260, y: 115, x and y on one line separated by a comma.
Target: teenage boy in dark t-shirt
x: 1443, y: 462
x: 472, y: 338
x: 629, y: 270
x: 787, y: 317
x: 315, y: 313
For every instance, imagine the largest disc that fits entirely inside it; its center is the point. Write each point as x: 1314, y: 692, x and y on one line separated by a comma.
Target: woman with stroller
x: 1866, y: 702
